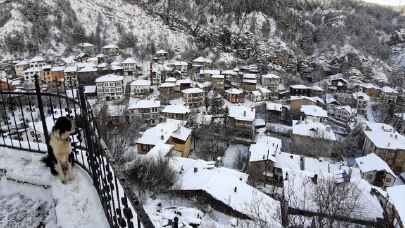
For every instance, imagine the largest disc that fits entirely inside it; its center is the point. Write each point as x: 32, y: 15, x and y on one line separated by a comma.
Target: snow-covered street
x: 75, y: 204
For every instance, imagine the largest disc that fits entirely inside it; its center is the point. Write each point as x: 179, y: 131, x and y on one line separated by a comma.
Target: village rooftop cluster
x: 289, y: 132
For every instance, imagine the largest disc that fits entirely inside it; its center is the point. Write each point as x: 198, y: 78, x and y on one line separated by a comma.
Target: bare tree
x: 335, y: 200
x: 210, y: 141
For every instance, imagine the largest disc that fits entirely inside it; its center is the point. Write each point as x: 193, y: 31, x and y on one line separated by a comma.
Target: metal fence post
x: 41, y: 110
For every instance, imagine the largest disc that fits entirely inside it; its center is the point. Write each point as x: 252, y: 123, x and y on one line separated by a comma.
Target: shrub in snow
x: 151, y: 174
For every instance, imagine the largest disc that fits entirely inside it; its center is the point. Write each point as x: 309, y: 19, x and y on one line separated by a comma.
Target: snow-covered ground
x: 75, y: 204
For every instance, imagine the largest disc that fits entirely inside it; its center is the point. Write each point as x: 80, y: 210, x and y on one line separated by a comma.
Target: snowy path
x: 75, y: 204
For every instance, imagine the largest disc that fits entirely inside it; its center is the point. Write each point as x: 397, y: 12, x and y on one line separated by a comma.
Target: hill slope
x: 57, y: 25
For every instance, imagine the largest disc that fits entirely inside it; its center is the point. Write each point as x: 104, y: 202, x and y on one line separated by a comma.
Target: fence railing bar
x: 50, y: 109
x: 41, y: 110
x: 59, y: 98
x: 15, y: 121
x: 33, y: 125
x: 6, y: 118
x: 25, y: 124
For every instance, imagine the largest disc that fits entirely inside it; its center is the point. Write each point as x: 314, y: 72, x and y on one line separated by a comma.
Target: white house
x: 178, y: 112
x: 70, y: 76
x: 31, y: 72
x: 193, y: 97
x: 111, y: 50
x: 387, y: 143
x: 129, y: 66
x: 314, y: 113
x: 147, y: 110
x: 272, y: 82
x: 344, y: 113
x: 110, y: 87
x: 140, y: 88
x: 375, y: 170
x: 37, y: 62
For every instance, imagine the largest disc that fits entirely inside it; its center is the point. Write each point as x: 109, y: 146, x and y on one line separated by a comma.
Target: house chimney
x: 302, y: 163
x: 195, y: 169
x: 162, y: 137
x: 315, y: 179
x: 244, y: 113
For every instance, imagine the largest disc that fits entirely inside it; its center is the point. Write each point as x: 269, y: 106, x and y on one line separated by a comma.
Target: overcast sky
x: 387, y: 2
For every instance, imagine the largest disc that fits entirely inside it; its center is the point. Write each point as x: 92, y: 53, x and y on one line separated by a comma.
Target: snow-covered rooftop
x: 158, y: 151
x: 141, y: 82
x: 129, y: 61
x: 228, y: 186
x: 171, y: 79
x: 70, y: 69
x: 274, y: 106
x: 313, y: 129
x: 242, y: 113
x: 176, y: 108
x: 22, y: 62
x: 202, y: 60
x: 313, y: 99
x: 218, y: 76
x: 234, y: 91
x: 140, y: 104
x: 110, y: 78
x: 184, y: 81
x: 58, y: 69
x: 167, y: 84
x: 384, y: 136
x: 37, y: 59
x: 313, y: 110
x: 273, y: 76
x: 192, y: 90
x: 396, y: 196
x: 373, y: 162
x: 210, y: 72
x: 265, y: 148
x: 161, y: 52
x: 161, y: 132
x: 387, y: 89
x: 110, y: 46
x: 229, y: 72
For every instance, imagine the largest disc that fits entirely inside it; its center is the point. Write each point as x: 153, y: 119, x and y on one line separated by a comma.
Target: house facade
x: 271, y: 82
x: 240, y: 119
x: 140, y: 88
x: 383, y: 140
x: 145, y: 110
x: 193, y: 97
x: 234, y: 95
x: 110, y: 87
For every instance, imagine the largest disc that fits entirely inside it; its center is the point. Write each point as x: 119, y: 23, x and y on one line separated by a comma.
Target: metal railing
x: 26, y: 119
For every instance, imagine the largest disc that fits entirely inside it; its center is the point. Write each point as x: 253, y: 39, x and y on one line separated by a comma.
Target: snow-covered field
x: 75, y: 204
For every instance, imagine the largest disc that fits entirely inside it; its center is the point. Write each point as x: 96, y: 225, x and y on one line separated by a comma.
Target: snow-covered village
x: 211, y: 114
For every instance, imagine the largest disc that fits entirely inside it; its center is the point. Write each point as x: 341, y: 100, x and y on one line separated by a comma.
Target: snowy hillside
x: 58, y: 25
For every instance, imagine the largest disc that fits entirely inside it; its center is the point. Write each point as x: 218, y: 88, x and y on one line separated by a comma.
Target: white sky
x: 387, y: 2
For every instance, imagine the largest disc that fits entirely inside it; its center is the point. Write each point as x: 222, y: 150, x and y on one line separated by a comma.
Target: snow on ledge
x: 77, y: 203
